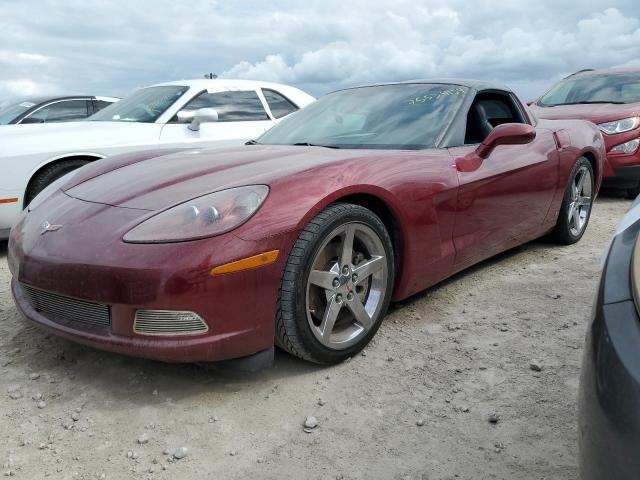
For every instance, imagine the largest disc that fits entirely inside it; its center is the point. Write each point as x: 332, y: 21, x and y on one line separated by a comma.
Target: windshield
x: 144, y: 106
x: 11, y: 112
x: 609, y: 88
x: 400, y: 116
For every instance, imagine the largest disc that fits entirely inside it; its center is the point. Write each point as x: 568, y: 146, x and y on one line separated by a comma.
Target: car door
x: 241, y: 116
x: 504, y: 201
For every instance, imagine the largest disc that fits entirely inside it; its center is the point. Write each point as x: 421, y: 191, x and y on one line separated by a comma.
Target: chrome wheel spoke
x: 580, y: 180
x: 346, y: 255
x: 359, y: 312
x: 329, y: 318
x: 368, y: 268
x: 584, y: 201
x: 576, y: 218
x: 323, y: 279
x: 572, y: 211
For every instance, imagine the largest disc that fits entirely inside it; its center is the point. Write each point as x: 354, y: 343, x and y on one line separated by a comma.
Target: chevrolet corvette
x: 302, y: 237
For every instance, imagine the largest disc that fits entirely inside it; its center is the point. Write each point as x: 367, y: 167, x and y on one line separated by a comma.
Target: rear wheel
x: 576, y: 206
x: 50, y: 174
x: 336, y: 286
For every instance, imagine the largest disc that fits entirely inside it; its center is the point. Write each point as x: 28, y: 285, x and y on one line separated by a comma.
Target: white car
x: 190, y: 113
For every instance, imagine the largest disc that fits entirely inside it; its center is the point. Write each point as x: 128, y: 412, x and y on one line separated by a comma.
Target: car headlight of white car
x: 620, y: 126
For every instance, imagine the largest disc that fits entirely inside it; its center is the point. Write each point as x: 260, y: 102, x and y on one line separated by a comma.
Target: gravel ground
x: 418, y: 404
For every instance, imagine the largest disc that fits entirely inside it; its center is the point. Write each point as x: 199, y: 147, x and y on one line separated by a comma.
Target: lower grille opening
x: 59, y: 308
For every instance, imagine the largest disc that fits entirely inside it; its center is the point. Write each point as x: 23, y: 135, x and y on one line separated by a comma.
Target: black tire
x: 562, y: 232
x: 293, y: 330
x: 632, y: 193
x: 50, y: 174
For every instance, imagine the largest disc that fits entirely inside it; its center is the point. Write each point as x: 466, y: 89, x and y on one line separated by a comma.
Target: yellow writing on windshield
x: 434, y: 96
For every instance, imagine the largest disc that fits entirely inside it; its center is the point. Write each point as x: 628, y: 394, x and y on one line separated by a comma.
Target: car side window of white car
x: 232, y: 106
x: 62, y: 111
x: 279, y: 105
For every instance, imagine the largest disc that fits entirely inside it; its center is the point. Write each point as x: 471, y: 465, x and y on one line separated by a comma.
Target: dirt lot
x: 415, y: 405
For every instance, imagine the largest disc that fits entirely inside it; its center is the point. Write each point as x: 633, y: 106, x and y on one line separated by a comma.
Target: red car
x: 369, y: 195
x: 611, y: 99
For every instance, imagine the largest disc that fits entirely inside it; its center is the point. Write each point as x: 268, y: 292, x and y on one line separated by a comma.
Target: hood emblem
x: 48, y: 227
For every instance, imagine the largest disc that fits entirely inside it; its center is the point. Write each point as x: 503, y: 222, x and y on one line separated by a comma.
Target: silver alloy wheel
x: 580, y: 204
x: 346, y: 286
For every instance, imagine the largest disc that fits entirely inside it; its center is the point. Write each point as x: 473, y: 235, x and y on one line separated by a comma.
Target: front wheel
x: 50, y: 174
x: 336, y: 285
x: 576, y: 205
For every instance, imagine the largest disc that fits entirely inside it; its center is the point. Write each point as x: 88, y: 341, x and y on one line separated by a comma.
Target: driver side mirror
x: 506, y: 134
x: 203, y: 115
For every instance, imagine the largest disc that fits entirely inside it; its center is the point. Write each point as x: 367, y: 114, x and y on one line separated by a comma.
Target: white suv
x: 190, y: 113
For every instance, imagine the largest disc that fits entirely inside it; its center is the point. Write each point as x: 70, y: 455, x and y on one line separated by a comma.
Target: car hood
x: 53, y: 137
x: 161, y: 182
x: 594, y: 112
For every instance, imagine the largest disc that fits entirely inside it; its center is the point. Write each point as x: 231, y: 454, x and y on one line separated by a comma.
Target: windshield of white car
x: 399, y: 116
x: 145, y: 105
x: 605, y: 88
x: 13, y: 111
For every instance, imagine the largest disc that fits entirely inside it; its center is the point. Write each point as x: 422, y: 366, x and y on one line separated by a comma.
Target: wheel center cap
x: 346, y: 282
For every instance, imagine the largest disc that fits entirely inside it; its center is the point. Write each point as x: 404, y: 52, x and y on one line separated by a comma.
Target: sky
x: 112, y: 47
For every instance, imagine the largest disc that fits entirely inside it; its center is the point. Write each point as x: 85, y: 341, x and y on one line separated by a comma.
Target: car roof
x: 299, y: 97
x: 222, y: 83
x: 588, y: 72
x: 463, y: 82
x: 52, y: 98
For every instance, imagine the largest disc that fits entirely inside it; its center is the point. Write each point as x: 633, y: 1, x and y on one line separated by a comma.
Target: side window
x: 65, y: 111
x: 279, y: 105
x: 99, y: 105
x: 233, y: 106
x: 487, y: 111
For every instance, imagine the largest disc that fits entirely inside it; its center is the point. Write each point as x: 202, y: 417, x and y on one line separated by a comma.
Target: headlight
x: 206, y: 216
x: 626, y: 147
x: 620, y: 126
x: 49, y: 189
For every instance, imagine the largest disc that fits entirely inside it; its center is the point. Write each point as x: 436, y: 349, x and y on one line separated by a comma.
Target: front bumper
x: 626, y: 176
x: 621, y: 170
x: 609, y: 397
x: 86, y: 261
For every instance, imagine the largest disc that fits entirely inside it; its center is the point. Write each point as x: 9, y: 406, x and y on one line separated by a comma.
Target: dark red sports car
x: 369, y: 195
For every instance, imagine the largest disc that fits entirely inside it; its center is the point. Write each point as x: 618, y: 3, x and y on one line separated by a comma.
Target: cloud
x: 440, y: 43
x: 116, y: 46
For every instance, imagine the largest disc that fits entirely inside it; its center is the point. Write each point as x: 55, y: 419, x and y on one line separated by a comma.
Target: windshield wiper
x: 307, y: 144
x: 252, y: 142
